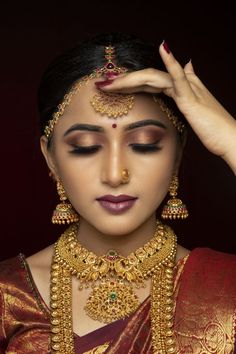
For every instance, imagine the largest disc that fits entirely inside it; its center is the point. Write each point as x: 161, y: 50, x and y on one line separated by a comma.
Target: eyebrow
x: 97, y: 128
x: 143, y: 123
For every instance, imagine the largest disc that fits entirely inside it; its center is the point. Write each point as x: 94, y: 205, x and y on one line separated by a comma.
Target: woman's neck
x: 100, y: 243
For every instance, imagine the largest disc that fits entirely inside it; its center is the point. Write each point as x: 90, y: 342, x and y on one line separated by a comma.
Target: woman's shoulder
x: 206, y: 255
x: 18, y: 288
x: 11, y: 270
x: 207, y: 265
x: 18, y: 272
x: 15, y: 283
x: 206, y: 302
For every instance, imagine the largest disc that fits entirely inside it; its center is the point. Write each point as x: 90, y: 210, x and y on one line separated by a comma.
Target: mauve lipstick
x: 117, y: 204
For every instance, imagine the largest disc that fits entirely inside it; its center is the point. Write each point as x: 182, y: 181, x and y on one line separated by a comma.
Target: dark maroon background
x: 32, y: 35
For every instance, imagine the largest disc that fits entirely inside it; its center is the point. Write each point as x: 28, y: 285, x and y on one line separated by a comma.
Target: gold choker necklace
x: 112, y: 278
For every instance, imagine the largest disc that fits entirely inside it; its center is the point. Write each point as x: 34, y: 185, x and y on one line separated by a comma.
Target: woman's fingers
x: 181, y: 85
x: 146, y: 80
x: 178, y: 83
x: 188, y: 68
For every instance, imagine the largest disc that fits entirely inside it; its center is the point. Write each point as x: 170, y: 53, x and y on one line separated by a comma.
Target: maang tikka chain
x: 172, y: 117
x: 113, y: 105
x: 122, y: 103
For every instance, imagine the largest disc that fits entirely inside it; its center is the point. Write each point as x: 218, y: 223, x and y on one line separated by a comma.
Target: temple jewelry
x: 108, y: 69
x: 174, y: 209
x: 66, y: 101
x: 125, y: 175
x: 112, y: 278
x: 174, y: 119
x: 64, y: 212
x: 113, y: 105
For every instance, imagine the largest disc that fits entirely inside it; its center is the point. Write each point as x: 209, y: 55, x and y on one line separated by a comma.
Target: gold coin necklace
x: 112, y: 278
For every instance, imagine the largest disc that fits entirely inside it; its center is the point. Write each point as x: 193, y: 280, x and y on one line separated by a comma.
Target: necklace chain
x: 112, y: 277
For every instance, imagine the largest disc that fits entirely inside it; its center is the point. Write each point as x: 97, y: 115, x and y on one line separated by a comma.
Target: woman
x: 113, y: 131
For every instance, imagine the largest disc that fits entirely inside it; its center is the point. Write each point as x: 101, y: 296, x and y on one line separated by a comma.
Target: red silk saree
x: 205, y: 312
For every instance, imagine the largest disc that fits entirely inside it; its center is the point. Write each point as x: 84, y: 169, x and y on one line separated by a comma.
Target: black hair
x: 131, y: 52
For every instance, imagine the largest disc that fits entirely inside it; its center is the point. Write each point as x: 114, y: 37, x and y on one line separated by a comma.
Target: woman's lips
x: 116, y: 198
x: 117, y: 204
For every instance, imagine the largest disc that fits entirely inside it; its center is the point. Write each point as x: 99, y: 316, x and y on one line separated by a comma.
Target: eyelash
x: 140, y: 148
x: 82, y: 150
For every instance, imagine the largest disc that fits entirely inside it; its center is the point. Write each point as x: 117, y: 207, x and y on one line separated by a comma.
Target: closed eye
x: 145, y: 148
x: 89, y: 150
x: 85, y: 150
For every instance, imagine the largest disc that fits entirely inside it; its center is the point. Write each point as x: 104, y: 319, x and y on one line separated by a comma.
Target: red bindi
x: 114, y: 125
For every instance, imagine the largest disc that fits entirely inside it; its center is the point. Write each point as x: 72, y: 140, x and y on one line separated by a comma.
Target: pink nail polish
x: 103, y: 83
x: 166, y: 47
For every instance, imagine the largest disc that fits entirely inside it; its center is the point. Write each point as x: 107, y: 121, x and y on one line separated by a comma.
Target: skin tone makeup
x: 88, y: 155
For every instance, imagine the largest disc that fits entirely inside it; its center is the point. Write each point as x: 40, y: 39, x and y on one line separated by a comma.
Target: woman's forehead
x: 82, y: 110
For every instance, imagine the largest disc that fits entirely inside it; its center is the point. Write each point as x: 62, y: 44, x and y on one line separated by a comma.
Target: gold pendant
x: 113, y: 105
x: 110, y: 301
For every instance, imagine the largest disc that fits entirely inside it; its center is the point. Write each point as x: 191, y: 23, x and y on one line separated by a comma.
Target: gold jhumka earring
x: 64, y: 212
x: 174, y: 209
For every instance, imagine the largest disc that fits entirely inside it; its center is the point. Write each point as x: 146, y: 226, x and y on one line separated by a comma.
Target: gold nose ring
x: 125, y: 174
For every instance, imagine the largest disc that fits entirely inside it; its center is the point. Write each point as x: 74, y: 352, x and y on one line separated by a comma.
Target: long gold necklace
x: 112, y: 277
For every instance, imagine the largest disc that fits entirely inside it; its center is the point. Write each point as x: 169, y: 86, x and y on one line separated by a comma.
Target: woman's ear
x: 48, y: 154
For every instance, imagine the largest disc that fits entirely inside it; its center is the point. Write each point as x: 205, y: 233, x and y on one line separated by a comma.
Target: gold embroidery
x: 205, y: 312
x: 214, y: 338
x: 98, y: 350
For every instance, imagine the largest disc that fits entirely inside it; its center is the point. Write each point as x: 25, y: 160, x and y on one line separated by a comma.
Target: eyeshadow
x: 146, y: 136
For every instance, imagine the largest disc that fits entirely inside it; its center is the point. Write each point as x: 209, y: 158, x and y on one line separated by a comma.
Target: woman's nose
x: 113, y: 166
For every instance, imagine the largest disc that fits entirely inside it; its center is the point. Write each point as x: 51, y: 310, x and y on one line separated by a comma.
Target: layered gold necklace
x: 112, y: 279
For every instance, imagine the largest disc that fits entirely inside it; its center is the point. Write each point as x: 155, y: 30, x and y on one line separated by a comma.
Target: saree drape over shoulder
x: 204, y: 322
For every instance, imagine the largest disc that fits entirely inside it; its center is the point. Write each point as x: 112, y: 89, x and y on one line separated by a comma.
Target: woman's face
x: 88, y: 155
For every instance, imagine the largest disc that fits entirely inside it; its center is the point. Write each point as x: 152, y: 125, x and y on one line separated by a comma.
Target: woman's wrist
x: 230, y: 152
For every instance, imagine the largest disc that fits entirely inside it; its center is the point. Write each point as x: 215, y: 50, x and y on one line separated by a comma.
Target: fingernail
x: 103, y: 83
x: 166, y: 47
x: 111, y: 76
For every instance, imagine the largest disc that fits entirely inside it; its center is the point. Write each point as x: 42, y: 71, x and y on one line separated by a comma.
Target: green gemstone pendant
x: 113, y: 296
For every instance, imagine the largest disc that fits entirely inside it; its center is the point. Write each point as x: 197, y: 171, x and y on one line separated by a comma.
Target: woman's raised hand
x: 214, y: 126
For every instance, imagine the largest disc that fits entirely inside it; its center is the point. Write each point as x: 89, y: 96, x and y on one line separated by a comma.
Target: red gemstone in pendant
x: 114, y: 125
x: 112, y: 255
x: 110, y: 66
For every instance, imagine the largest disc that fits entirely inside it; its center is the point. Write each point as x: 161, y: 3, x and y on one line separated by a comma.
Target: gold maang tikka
x: 113, y: 105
